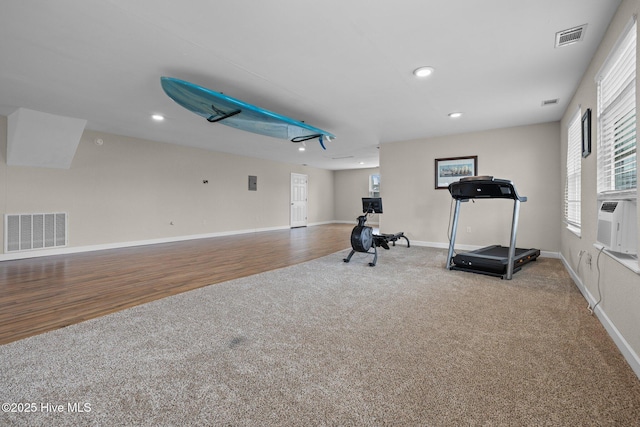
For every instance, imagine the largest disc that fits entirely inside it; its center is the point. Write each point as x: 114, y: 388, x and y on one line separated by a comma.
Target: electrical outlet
x: 468, y: 229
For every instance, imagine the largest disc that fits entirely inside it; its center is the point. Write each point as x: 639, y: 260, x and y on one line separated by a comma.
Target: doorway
x: 299, y: 187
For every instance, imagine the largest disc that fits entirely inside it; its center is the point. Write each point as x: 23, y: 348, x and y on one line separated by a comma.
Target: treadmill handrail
x: 484, y: 187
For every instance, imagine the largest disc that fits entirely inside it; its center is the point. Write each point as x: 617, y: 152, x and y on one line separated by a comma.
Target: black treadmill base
x: 485, y: 272
x: 493, y: 260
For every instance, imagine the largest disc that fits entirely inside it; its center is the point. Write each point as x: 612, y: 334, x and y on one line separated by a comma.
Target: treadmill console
x: 484, y: 187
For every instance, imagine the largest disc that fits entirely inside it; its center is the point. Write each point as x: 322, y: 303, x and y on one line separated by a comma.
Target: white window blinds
x: 617, y: 117
x: 573, y: 185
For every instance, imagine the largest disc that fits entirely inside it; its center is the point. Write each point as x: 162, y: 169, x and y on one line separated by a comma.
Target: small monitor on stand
x: 372, y: 205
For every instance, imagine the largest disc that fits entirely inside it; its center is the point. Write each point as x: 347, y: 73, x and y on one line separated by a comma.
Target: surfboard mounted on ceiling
x: 219, y: 108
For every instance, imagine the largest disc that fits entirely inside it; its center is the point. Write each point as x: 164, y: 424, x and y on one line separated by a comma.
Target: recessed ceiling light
x: 157, y: 117
x: 301, y: 149
x: 455, y: 115
x: 423, y: 71
x: 362, y: 163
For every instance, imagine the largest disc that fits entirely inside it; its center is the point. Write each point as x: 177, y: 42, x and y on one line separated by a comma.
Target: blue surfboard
x: 219, y: 108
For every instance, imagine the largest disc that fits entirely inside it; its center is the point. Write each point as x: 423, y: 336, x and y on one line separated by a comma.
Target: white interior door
x: 299, y: 186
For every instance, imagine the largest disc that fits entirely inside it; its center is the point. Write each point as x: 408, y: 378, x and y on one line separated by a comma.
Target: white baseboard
x: 312, y: 224
x: 118, y: 245
x: 90, y: 248
x: 627, y: 352
x: 355, y: 222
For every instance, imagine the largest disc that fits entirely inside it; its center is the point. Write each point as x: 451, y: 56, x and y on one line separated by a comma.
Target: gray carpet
x: 327, y: 343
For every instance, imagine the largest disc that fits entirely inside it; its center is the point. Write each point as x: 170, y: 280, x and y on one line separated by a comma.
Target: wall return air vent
x: 570, y: 36
x: 25, y: 232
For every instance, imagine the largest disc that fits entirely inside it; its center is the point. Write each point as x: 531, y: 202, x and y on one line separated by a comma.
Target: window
x: 572, y: 191
x: 617, y: 170
x: 374, y: 185
x: 617, y: 117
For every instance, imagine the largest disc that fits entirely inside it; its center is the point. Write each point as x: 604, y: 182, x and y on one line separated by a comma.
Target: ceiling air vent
x: 570, y: 36
x: 550, y: 102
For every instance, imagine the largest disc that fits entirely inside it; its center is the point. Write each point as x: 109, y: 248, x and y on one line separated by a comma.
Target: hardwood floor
x: 42, y: 294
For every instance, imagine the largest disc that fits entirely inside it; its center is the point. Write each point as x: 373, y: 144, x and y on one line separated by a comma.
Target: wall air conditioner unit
x: 618, y: 227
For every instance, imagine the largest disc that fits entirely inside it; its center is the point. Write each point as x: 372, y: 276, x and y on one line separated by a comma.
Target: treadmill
x: 495, y: 260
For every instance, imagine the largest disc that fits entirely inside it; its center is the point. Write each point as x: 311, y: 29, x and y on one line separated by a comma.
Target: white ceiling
x: 344, y: 66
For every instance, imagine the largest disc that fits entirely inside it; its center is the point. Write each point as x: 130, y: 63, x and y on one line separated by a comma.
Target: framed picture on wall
x: 586, y: 133
x: 451, y: 169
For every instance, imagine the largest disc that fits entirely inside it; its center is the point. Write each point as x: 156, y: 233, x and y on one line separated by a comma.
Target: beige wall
x: 618, y: 286
x: 350, y: 186
x: 131, y: 190
x: 527, y: 155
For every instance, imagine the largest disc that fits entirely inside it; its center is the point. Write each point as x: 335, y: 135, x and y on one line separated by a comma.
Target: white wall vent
x: 550, y: 102
x: 570, y: 36
x: 25, y: 232
x: 617, y: 226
